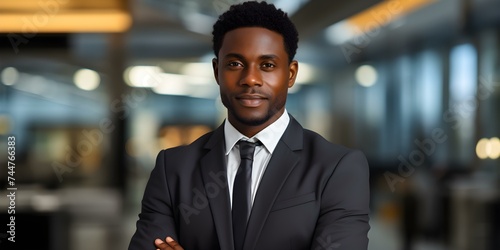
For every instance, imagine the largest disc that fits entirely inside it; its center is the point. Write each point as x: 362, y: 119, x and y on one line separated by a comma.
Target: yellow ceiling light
x: 369, y: 21
x: 483, y: 148
x: 494, y: 148
x: 488, y: 148
x: 385, y: 12
x: 63, y: 16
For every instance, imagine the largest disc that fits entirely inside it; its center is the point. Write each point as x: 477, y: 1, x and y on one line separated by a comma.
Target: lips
x: 250, y: 100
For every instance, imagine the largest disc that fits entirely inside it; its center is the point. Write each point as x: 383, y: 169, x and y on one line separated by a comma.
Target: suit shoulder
x: 311, y: 137
x: 322, y: 146
x: 331, y: 155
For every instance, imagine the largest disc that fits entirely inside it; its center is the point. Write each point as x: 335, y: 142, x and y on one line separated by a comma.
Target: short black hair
x: 255, y: 14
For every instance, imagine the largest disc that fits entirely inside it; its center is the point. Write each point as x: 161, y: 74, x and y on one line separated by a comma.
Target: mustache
x: 252, y: 93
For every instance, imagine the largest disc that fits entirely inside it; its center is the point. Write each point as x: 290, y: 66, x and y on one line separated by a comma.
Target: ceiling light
x: 63, y: 16
x: 340, y: 33
x: 86, y: 79
x: 9, y: 76
x: 366, y: 75
x: 482, y: 148
x: 142, y: 76
x: 369, y: 21
x: 202, y: 69
x: 494, y: 148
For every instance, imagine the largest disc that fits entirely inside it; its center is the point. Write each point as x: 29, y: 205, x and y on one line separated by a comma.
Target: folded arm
x: 343, y: 222
x: 156, y: 220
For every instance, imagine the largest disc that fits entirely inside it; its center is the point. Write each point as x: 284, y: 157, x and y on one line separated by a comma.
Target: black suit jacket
x: 313, y: 195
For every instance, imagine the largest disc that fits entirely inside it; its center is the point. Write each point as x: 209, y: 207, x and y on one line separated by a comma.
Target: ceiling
x: 179, y: 30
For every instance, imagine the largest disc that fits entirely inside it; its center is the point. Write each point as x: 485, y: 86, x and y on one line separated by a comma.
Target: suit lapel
x: 213, y: 169
x: 280, y: 166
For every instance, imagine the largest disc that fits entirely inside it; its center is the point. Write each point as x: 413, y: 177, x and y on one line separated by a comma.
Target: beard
x: 252, y: 121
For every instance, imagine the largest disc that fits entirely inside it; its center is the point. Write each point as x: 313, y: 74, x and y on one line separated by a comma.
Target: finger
x: 161, y: 245
x: 171, y: 242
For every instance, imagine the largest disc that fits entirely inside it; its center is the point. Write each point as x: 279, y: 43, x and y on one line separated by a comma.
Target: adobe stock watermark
x: 325, y: 243
x: 453, y: 116
x: 32, y: 24
x: 199, y: 202
x: 371, y: 29
x: 95, y: 137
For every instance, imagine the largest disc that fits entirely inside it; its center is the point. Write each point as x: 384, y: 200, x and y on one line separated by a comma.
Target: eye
x: 234, y: 64
x: 268, y: 65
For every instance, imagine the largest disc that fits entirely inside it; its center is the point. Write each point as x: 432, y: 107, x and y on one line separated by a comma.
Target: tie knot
x: 247, y: 149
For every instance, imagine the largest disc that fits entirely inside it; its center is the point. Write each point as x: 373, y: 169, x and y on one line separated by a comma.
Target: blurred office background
x: 92, y: 90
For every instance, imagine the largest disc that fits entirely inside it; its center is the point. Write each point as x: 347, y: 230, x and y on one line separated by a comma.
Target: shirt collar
x: 269, y: 136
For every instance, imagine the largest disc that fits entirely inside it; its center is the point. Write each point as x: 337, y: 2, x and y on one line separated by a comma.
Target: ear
x: 215, y: 66
x: 293, y: 69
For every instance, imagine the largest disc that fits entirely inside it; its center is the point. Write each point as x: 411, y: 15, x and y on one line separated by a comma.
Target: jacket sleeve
x: 344, y: 215
x: 156, y: 219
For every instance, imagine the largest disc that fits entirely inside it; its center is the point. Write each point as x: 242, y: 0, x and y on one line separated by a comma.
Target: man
x: 289, y: 189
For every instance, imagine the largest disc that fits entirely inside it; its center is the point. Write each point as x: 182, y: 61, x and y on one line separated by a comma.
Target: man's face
x: 254, y: 74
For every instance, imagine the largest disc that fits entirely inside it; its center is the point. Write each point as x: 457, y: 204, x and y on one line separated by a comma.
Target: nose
x: 251, y: 76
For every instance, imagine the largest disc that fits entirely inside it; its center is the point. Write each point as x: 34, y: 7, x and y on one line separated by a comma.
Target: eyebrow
x: 241, y: 57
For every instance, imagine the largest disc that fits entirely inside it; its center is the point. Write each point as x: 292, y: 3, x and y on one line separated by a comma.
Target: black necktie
x: 242, y: 200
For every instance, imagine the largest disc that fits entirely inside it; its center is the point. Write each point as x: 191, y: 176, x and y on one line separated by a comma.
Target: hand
x: 168, y: 244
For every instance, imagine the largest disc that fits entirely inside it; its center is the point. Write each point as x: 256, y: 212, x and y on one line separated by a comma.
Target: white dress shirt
x: 269, y: 137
